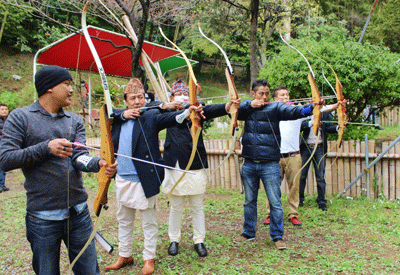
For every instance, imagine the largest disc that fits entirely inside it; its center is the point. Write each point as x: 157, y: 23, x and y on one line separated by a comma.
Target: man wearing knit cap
x: 177, y: 148
x: 135, y: 134
x: 37, y: 139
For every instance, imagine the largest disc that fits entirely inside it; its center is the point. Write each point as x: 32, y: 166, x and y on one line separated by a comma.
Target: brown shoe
x: 148, y: 267
x: 120, y: 263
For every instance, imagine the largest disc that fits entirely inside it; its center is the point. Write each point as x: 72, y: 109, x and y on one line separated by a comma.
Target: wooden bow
x: 340, y: 97
x: 316, y: 97
x: 194, y: 116
x: 106, y: 146
x: 233, y: 95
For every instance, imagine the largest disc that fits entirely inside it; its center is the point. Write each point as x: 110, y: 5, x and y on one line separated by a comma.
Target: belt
x: 259, y: 161
x: 290, y: 154
x: 313, y: 145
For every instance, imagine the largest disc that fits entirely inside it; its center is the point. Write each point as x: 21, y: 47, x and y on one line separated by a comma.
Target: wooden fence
x: 390, y: 117
x: 342, y: 166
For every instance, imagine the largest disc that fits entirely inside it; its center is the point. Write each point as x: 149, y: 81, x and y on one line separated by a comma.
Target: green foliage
x: 368, y: 73
x: 354, y: 132
x: 385, y: 25
x: 10, y: 99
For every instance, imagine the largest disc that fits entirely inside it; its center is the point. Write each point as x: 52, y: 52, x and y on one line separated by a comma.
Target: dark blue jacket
x: 261, y: 139
x: 325, y: 128
x: 145, y: 145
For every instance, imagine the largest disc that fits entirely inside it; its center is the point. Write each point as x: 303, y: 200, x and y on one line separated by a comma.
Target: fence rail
x: 342, y: 166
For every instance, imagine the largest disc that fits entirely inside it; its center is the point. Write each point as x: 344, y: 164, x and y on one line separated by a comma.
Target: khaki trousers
x: 290, y: 166
x: 126, y: 218
x: 175, y: 217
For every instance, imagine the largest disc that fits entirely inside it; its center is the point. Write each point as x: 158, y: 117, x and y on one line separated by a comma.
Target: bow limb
x: 340, y: 97
x: 106, y: 146
x: 233, y: 95
x: 194, y: 116
x: 316, y: 97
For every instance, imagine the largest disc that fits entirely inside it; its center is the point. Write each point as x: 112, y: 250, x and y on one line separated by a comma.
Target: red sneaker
x: 295, y: 221
x: 267, y: 221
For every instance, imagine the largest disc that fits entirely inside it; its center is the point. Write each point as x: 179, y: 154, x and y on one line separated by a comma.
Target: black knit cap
x: 49, y: 76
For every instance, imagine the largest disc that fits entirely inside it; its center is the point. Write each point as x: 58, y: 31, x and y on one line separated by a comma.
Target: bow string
x: 194, y: 116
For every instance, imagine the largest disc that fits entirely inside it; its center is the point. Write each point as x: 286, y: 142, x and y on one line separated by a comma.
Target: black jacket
x: 145, y: 145
x: 178, y: 142
x: 325, y: 128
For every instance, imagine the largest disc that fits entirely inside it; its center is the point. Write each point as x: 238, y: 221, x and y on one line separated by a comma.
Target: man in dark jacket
x: 37, y: 139
x: 135, y: 134
x: 261, y: 150
x: 177, y: 148
x: 307, y: 145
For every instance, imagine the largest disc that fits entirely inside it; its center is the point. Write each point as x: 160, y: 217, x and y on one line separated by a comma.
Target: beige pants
x: 175, y: 217
x: 290, y: 166
x: 126, y: 218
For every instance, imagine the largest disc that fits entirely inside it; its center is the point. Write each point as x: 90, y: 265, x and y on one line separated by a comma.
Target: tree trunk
x: 253, y: 41
x: 287, y: 21
x: 3, y: 25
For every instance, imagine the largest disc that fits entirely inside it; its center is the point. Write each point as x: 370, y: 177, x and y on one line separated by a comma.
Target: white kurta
x: 189, y: 185
x: 131, y: 194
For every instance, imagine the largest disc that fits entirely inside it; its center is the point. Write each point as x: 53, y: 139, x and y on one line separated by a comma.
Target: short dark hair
x: 258, y: 83
x: 2, y: 104
x: 280, y: 87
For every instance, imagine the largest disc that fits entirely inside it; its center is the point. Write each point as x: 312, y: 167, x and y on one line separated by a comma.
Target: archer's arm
x: 14, y: 153
x: 81, y: 159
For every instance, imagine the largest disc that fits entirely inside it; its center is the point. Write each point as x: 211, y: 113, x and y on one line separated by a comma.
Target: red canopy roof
x: 72, y: 52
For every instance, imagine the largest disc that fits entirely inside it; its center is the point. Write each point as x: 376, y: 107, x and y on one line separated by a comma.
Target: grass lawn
x: 353, y: 237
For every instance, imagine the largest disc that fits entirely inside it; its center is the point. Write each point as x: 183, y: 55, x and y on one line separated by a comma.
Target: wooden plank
x: 385, y: 172
x: 334, y: 169
x: 357, y: 169
x: 352, y: 167
x: 221, y: 169
x: 328, y: 171
x: 397, y: 151
x: 363, y: 180
x: 346, y: 169
x: 392, y: 175
x: 341, y: 176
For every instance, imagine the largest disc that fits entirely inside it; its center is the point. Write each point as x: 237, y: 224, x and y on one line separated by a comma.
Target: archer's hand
x: 60, y: 147
x: 110, y: 169
x: 257, y: 103
x: 233, y: 102
x: 131, y: 113
x: 173, y: 106
x: 197, y: 109
x: 344, y: 126
x: 318, y: 103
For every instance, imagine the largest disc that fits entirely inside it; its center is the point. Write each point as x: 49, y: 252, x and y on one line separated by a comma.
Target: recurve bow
x: 233, y: 95
x: 316, y: 97
x: 106, y: 145
x: 194, y: 116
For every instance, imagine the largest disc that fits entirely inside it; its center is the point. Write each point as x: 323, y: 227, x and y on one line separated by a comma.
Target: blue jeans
x: 2, y: 179
x: 270, y: 174
x: 45, y: 237
x: 319, y: 173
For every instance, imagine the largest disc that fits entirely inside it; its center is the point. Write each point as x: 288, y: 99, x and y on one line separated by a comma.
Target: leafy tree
x: 368, y: 73
x: 385, y: 25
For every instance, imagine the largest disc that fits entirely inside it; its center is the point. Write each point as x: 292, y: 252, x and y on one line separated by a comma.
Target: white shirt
x: 290, y: 135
